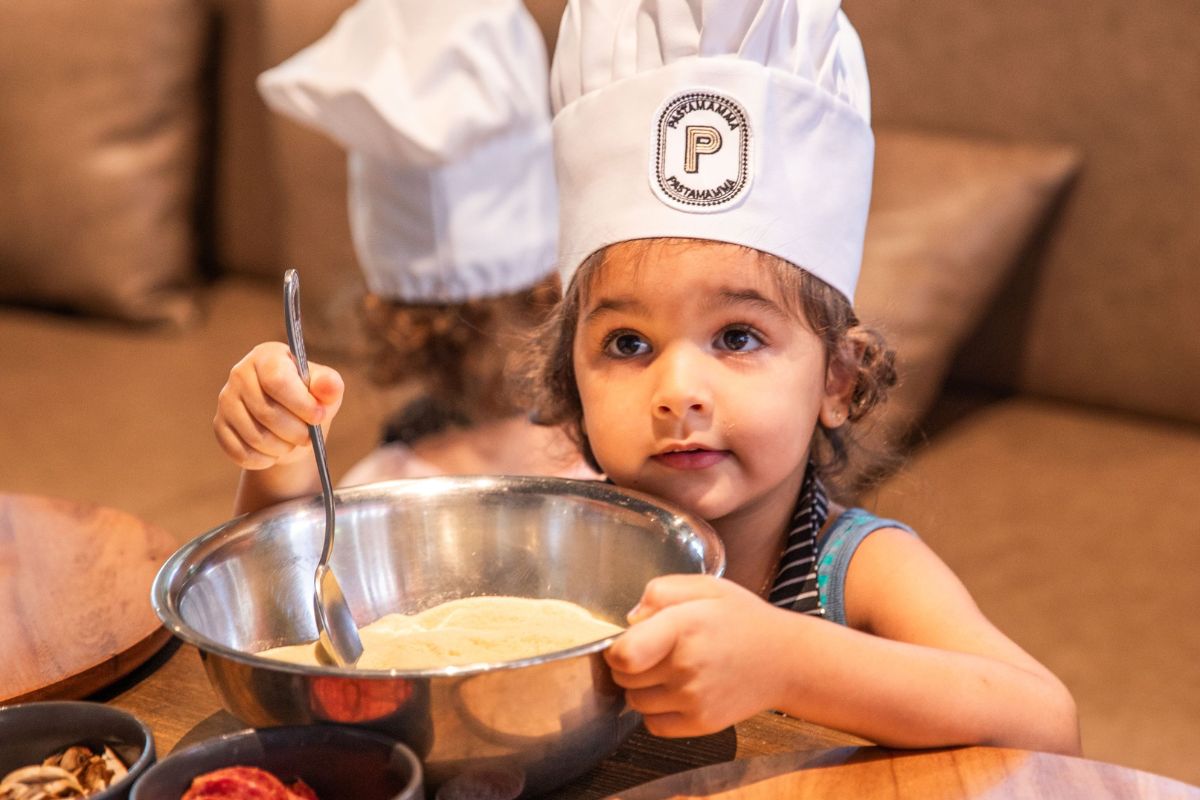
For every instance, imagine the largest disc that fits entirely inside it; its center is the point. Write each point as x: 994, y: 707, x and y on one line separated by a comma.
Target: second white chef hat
x: 443, y: 110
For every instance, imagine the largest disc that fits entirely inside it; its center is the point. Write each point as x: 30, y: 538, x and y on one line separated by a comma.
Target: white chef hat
x: 443, y: 108
x: 742, y: 122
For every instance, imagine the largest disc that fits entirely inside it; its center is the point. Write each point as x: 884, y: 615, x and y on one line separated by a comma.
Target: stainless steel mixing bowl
x: 412, y: 544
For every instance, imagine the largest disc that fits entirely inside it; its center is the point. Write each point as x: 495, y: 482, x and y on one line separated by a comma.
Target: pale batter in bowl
x: 471, y: 630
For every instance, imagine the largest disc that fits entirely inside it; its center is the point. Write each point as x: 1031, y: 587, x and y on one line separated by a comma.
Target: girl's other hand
x: 699, y: 655
x: 264, y: 409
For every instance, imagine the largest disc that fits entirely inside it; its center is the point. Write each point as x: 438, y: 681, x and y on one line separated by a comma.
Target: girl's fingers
x: 281, y: 384
x: 273, y: 417
x: 671, y: 590
x: 656, y: 675
x: 256, y: 418
x: 672, y: 711
x: 652, y: 700
x: 671, y: 725
x: 238, y: 451
x: 271, y: 388
x: 327, y: 386
x: 262, y: 439
x: 644, y: 645
x: 265, y: 408
x: 247, y: 442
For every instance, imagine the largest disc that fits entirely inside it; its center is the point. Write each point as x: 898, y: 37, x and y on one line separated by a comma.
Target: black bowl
x: 31, y: 731
x: 339, y: 763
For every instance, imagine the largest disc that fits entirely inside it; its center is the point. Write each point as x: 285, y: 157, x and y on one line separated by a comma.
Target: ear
x: 841, y: 376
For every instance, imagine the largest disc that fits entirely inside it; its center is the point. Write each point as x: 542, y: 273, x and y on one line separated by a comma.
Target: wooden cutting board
x: 75, y: 609
x: 967, y: 773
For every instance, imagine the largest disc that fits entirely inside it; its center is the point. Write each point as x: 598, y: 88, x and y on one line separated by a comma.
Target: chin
x: 708, y: 496
x: 708, y: 503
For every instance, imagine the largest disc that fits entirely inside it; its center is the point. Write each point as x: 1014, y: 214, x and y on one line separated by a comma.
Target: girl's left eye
x: 738, y: 340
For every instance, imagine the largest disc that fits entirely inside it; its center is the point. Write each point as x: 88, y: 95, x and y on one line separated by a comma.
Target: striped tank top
x: 811, y: 578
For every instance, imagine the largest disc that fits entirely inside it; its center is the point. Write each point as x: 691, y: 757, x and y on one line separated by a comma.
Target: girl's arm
x: 923, y: 669
x: 922, y: 666
x: 265, y: 487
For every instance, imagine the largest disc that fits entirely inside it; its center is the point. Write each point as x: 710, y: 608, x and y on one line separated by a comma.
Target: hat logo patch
x: 700, y: 161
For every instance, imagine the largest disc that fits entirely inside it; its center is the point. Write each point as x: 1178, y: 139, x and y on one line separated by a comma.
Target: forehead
x: 656, y: 266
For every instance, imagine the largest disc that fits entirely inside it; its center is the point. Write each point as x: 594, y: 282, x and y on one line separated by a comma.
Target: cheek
x: 771, y: 447
x: 778, y: 413
x: 610, y: 417
x: 587, y: 386
x: 603, y: 406
x: 591, y: 398
x: 773, y: 426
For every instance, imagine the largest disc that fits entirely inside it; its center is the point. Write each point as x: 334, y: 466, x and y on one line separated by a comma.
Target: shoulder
x: 848, y: 529
x: 856, y: 522
x: 838, y: 546
x: 895, y: 584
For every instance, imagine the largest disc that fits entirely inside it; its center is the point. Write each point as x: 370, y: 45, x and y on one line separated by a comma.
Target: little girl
x: 714, y: 164
x: 720, y: 378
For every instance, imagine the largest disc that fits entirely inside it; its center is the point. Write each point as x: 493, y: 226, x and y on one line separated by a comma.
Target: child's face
x: 698, y: 384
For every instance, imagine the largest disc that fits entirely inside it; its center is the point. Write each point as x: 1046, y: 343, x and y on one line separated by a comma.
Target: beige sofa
x: 1033, y: 252
x: 1059, y: 469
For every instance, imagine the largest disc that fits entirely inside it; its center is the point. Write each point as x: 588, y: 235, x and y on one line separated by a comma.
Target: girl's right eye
x: 624, y: 344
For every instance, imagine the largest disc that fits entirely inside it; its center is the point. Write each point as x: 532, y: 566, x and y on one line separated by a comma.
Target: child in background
x: 443, y: 110
x: 714, y: 164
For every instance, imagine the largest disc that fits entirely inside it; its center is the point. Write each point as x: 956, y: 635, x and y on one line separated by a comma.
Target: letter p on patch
x: 700, y: 140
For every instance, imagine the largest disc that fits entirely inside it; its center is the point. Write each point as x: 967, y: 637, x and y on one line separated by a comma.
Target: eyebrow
x: 615, y: 304
x: 734, y: 297
x: 724, y: 298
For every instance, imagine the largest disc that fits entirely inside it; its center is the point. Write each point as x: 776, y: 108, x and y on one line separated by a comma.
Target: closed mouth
x: 691, y: 457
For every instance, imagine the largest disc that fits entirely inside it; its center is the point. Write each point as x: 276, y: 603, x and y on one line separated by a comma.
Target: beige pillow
x: 950, y: 217
x: 281, y: 187
x: 98, y: 155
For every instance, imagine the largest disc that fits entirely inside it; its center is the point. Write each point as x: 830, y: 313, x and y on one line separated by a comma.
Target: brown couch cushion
x: 245, y: 201
x: 145, y: 444
x: 281, y: 187
x: 949, y: 218
x: 1109, y: 315
x: 97, y: 155
x: 1076, y: 532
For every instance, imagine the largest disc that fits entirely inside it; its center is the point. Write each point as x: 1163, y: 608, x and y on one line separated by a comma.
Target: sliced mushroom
x: 38, y: 782
x: 76, y: 772
x: 115, y: 765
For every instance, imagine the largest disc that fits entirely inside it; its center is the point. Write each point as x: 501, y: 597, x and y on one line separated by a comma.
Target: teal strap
x: 834, y: 553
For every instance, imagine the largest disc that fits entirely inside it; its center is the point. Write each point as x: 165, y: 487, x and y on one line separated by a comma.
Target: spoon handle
x: 295, y: 335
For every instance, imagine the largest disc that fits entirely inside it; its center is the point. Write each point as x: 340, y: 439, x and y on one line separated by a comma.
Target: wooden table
x: 74, y: 578
x: 767, y: 756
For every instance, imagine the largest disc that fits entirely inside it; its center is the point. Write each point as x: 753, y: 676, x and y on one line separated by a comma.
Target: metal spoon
x: 335, y: 625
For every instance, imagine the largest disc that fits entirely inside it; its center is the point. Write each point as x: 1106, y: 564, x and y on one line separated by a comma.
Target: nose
x: 682, y: 384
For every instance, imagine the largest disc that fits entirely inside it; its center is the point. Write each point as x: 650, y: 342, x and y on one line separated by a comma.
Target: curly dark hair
x: 548, y: 371
x: 459, y: 352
